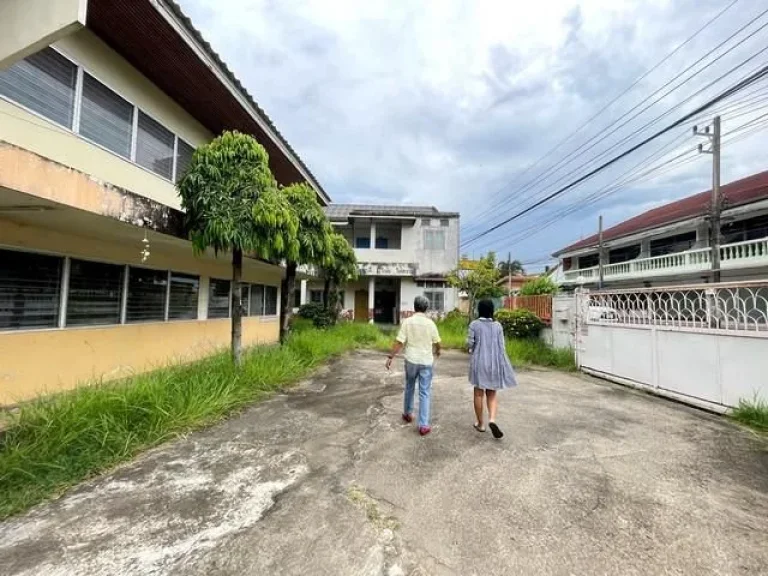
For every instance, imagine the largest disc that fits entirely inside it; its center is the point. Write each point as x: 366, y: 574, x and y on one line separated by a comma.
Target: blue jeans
x: 423, y: 374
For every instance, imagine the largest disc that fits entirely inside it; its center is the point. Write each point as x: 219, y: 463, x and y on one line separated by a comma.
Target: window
x: 316, y: 296
x: 431, y: 284
x: 95, y: 293
x: 218, y: 298
x: 436, y: 300
x: 445, y: 222
x: 182, y: 302
x: 362, y: 242
x: 434, y: 240
x: 154, y: 147
x: 44, y: 83
x: 588, y: 261
x: 257, y: 300
x: 382, y: 243
x: 673, y: 244
x: 106, y: 118
x: 146, y: 295
x: 29, y: 290
x: 270, y: 300
x: 426, y: 222
x: 245, y: 297
x: 183, y: 158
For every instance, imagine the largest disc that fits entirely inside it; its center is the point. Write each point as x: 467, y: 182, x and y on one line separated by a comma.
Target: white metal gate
x: 704, y: 344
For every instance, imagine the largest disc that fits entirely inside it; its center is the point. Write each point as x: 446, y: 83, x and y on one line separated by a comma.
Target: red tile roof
x: 744, y: 191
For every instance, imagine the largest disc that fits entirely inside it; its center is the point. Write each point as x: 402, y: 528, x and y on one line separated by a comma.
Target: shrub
x: 310, y: 310
x: 538, y: 286
x: 324, y: 319
x: 519, y: 323
x: 455, y: 314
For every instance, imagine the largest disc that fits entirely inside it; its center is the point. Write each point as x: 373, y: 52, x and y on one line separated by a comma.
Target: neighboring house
x: 102, y: 103
x: 670, y: 244
x: 512, y: 284
x: 402, y: 252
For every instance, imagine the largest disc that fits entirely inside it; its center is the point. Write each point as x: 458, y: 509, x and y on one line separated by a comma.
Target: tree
x: 314, y: 238
x: 478, y: 283
x: 538, y: 286
x: 513, y: 268
x: 232, y: 204
x: 340, y: 268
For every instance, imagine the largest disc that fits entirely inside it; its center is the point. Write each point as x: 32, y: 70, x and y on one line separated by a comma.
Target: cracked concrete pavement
x: 591, y: 479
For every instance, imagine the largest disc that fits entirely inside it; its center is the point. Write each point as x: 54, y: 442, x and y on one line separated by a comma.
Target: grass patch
x: 753, y: 413
x: 528, y: 352
x: 50, y: 445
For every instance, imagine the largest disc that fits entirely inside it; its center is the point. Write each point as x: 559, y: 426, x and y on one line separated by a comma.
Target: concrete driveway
x: 591, y: 479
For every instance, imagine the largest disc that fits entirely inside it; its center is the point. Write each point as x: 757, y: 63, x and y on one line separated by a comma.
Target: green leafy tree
x: 232, y: 204
x: 478, y: 283
x: 513, y: 268
x: 538, y: 286
x: 340, y: 269
x: 314, y: 238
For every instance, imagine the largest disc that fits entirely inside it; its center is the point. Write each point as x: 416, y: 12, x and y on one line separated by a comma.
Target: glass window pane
x: 95, y: 293
x: 182, y: 303
x: 154, y: 147
x: 105, y: 117
x: 183, y: 158
x: 434, y: 240
x: 270, y: 300
x: 436, y: 301
x: 218, y: 299
x: 257, y: 300
x: 146, y: 295
x: 43, y: 82
x: 29, y: 290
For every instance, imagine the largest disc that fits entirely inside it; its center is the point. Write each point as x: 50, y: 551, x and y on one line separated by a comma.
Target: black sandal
x: 495, y: 430
x: 478, y: 427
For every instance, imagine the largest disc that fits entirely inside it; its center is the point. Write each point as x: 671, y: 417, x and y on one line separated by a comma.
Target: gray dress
x: 489, y: 365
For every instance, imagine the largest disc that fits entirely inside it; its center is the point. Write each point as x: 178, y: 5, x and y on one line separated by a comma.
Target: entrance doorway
x: 361, y: 305
x: 385, y: 303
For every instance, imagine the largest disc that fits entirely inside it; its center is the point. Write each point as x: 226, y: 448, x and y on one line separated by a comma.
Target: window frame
x: 74, y: 129
x: 434, y: 232
x: 433, y: 293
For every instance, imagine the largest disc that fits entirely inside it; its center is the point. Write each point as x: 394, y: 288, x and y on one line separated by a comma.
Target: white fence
x: 705, y: 344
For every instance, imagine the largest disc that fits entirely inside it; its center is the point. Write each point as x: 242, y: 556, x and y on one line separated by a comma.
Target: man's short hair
x: 420, y: 304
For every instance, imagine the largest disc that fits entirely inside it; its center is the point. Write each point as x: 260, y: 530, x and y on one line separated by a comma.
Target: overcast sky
x: 447, y: 102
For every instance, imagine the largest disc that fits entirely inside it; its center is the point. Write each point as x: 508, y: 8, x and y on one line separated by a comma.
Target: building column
x: 645, y: 248
x: 202, y: 299
x: 373, y: 234
x: 371, y: 294
x: 303, y: 293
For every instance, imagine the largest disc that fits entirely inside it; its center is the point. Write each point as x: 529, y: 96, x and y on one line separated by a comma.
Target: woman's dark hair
x: 485, y: 309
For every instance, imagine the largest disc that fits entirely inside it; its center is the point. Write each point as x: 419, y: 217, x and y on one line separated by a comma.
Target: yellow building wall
x: 43, y: 362
x: 28, y: 25
x: 32, y: 132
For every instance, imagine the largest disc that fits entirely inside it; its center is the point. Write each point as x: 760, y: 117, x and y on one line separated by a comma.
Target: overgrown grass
x: 533, y: 352
x: 753, y: 413
x: 55, y: 443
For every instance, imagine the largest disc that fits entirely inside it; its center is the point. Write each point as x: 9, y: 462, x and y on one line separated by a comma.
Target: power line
x: 580, y: 151
x: 739, y: 86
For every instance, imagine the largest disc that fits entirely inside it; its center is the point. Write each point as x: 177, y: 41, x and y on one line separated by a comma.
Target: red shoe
x: 424, y: 430
x: 408, y: 418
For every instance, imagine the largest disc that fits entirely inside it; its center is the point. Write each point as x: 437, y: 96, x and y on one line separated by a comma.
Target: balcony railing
x: 749, y: 254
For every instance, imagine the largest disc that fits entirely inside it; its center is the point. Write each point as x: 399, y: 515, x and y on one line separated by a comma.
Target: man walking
x: 421, y: 340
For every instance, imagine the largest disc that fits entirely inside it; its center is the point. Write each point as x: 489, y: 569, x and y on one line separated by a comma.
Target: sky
x: 450, y: 102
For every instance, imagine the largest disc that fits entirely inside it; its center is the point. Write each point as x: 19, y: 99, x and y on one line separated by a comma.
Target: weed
x: 753, y: 413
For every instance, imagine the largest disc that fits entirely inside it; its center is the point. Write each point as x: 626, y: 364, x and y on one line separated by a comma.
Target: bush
x: 538, y: 286
x: 324, y: 319
x: 454, y: 315
x: 310, y: 310
x: 519, y: 323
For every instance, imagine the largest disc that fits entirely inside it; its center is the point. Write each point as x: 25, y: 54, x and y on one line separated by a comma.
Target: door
x: 361, y: 306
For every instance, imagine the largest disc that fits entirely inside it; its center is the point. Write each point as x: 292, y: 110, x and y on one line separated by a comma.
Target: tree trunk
x: 288, y: 288
x: 237, y: 307
x: 326, y: 294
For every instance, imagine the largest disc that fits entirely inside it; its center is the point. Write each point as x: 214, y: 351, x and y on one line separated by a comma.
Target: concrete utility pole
x: 509, y: 280
x: 716, y: 206
x: 600, y: 253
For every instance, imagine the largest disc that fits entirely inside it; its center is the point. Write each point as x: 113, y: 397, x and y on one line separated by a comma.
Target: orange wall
x: 33, y: 363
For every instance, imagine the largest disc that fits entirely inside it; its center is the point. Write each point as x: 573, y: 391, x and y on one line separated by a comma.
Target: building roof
x: 159, y: 40
x: 517, y: 279
x: 345, y: 211
x: 744, y: 191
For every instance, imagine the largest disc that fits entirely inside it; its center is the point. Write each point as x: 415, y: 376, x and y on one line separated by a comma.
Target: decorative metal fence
x: 728, y: 307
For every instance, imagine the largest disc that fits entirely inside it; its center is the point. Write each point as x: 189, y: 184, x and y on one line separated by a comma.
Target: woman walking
x: 489, y: 367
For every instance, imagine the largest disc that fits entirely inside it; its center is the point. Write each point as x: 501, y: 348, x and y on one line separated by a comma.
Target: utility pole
x: 600, y: 253
x: 716, y: 206
x: 509, y: 280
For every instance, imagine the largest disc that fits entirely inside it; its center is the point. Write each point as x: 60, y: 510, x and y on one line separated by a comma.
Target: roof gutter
x: 183, y: 26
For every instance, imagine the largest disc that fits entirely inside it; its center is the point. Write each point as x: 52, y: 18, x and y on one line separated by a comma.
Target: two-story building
x: 102, y: 103
x: 402, y: 252
x: 670, y: 244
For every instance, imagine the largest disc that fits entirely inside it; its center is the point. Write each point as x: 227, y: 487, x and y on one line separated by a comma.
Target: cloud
x: 446, y: 102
